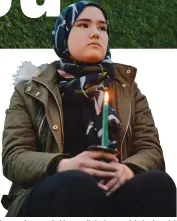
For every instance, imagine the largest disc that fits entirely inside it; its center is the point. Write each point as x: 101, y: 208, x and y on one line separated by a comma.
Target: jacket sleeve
x: 147, y: 152
x: 21, y: 163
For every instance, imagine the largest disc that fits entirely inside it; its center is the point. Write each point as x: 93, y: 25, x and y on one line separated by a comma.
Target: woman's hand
x: 92, y: 163
x: 122, y: 175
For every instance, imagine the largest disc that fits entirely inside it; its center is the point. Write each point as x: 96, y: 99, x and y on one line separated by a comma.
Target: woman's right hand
x: 91, y: 162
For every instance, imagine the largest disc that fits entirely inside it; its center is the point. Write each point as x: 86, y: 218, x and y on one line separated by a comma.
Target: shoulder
x: 124, y: 73
x: 125, y: 68
x: 24, y: 75
x: 26, y: 72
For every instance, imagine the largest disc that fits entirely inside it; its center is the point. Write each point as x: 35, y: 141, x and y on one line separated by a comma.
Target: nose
x: 94, y: 33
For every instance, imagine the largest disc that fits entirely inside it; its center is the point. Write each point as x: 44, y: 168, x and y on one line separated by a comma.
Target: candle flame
x: 106, y: 97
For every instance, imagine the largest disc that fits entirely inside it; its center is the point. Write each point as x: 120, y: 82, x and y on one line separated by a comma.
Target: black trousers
x: 75, y: 194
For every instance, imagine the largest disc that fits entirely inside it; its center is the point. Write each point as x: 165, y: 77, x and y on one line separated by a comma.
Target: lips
x: 95, y: 43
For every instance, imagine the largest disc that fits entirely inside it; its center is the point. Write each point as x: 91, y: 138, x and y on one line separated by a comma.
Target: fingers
x: 100, y: 165
x: 103, y: 156
x: 98, y: 173
x: 122, y: 175
x: 102, y: 186
x: 102, y: 182
x: 116, y: 186
x: 112, y: 182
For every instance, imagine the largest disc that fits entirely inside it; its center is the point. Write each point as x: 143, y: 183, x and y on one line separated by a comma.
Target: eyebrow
x: 89, y: 20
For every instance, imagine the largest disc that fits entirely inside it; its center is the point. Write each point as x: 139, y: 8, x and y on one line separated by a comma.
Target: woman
x: 56, y: 116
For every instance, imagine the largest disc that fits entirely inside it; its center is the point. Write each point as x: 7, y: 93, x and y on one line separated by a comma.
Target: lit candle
x: 104, y: 141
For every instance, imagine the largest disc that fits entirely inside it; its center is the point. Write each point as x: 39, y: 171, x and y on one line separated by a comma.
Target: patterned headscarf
x: 62, y: 28
x: 87, y: 81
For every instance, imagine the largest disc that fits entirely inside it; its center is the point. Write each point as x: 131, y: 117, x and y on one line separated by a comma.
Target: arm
x: 21, y: 163
x: 147, y: 153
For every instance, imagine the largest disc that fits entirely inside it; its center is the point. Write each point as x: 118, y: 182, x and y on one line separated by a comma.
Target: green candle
x: 104, y: 141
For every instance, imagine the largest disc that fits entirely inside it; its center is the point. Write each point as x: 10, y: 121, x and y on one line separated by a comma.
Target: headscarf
x: 62, y: 28
x: 88, y: 81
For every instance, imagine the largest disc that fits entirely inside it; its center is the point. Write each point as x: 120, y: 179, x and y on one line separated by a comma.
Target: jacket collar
x: 125, y: 74
x: 46, y: 73
x: 48, y: 76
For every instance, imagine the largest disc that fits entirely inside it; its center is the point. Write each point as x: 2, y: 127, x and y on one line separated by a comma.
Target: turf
x: 133, y: 24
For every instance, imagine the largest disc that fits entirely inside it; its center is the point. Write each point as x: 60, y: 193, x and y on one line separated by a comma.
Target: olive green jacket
x: 138, y: 141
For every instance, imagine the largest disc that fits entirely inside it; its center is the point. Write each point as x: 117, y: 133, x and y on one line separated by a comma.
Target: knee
x: 75, y: 176
x: 67, y: 181
x: 159, y: 179
x: 74, y: 179
x: 76, y: 182
x: 162, y: 177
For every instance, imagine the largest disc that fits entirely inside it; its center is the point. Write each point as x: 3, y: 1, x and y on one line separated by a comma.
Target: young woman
x: 55, y: 115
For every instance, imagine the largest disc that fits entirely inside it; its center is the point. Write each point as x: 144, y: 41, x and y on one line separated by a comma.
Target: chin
x: 92, y: 58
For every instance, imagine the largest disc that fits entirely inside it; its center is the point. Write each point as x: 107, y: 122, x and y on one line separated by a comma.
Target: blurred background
x: 133, y: 24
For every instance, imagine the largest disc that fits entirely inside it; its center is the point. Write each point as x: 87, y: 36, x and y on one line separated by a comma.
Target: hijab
x: 87, y: 82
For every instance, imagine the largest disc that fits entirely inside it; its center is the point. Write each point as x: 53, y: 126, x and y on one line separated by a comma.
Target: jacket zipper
x: 125, y: 132
x: 59, y: 111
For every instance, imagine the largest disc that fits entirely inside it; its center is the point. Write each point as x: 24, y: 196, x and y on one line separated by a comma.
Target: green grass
x: 133, y: 24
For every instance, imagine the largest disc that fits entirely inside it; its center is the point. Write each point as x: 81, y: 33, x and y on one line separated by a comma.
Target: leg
x: 70, y: 193
x: 149, y: 194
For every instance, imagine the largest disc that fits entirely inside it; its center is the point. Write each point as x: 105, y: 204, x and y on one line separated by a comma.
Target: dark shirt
x: 74, y: 135
x: 75, y: 140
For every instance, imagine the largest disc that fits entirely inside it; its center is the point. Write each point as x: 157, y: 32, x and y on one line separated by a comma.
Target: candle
x: 104, y: 141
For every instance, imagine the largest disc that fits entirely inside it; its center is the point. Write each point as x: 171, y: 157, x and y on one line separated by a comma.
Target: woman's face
x: 88, y: 38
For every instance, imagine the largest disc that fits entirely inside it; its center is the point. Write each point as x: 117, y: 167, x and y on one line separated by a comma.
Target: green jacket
x: 24, y: 166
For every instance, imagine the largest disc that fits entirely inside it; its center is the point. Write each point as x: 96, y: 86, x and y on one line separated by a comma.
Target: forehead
x: 92, y: 13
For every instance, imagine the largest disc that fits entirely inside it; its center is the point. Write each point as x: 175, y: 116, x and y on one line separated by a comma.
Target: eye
x: 83, y: 25
x: 103, y: 28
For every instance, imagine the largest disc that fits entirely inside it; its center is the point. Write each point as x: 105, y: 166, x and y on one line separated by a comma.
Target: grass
x: 133, y: 24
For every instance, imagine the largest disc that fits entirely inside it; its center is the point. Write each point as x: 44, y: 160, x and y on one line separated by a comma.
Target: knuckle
x: 107, y: 174
x: 91, y: 154
x: 92, y: 172
x: 100, y: 154
x: 83, y: 169
x: 81, y: 164
x: 99, y: 164
x: 85, y: 153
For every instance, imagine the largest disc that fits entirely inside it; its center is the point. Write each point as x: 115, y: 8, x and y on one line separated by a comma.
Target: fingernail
x: 108, y: 193
x: 102, y: 186
x: 105, y: 188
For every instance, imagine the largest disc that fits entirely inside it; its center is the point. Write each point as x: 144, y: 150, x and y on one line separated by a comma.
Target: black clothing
x: 76, y: 194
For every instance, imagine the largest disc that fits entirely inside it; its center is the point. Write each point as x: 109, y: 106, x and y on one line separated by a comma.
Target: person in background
x: 55, y: 117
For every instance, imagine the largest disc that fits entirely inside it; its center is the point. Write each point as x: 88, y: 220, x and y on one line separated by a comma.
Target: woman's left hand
x: 122, y: 175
